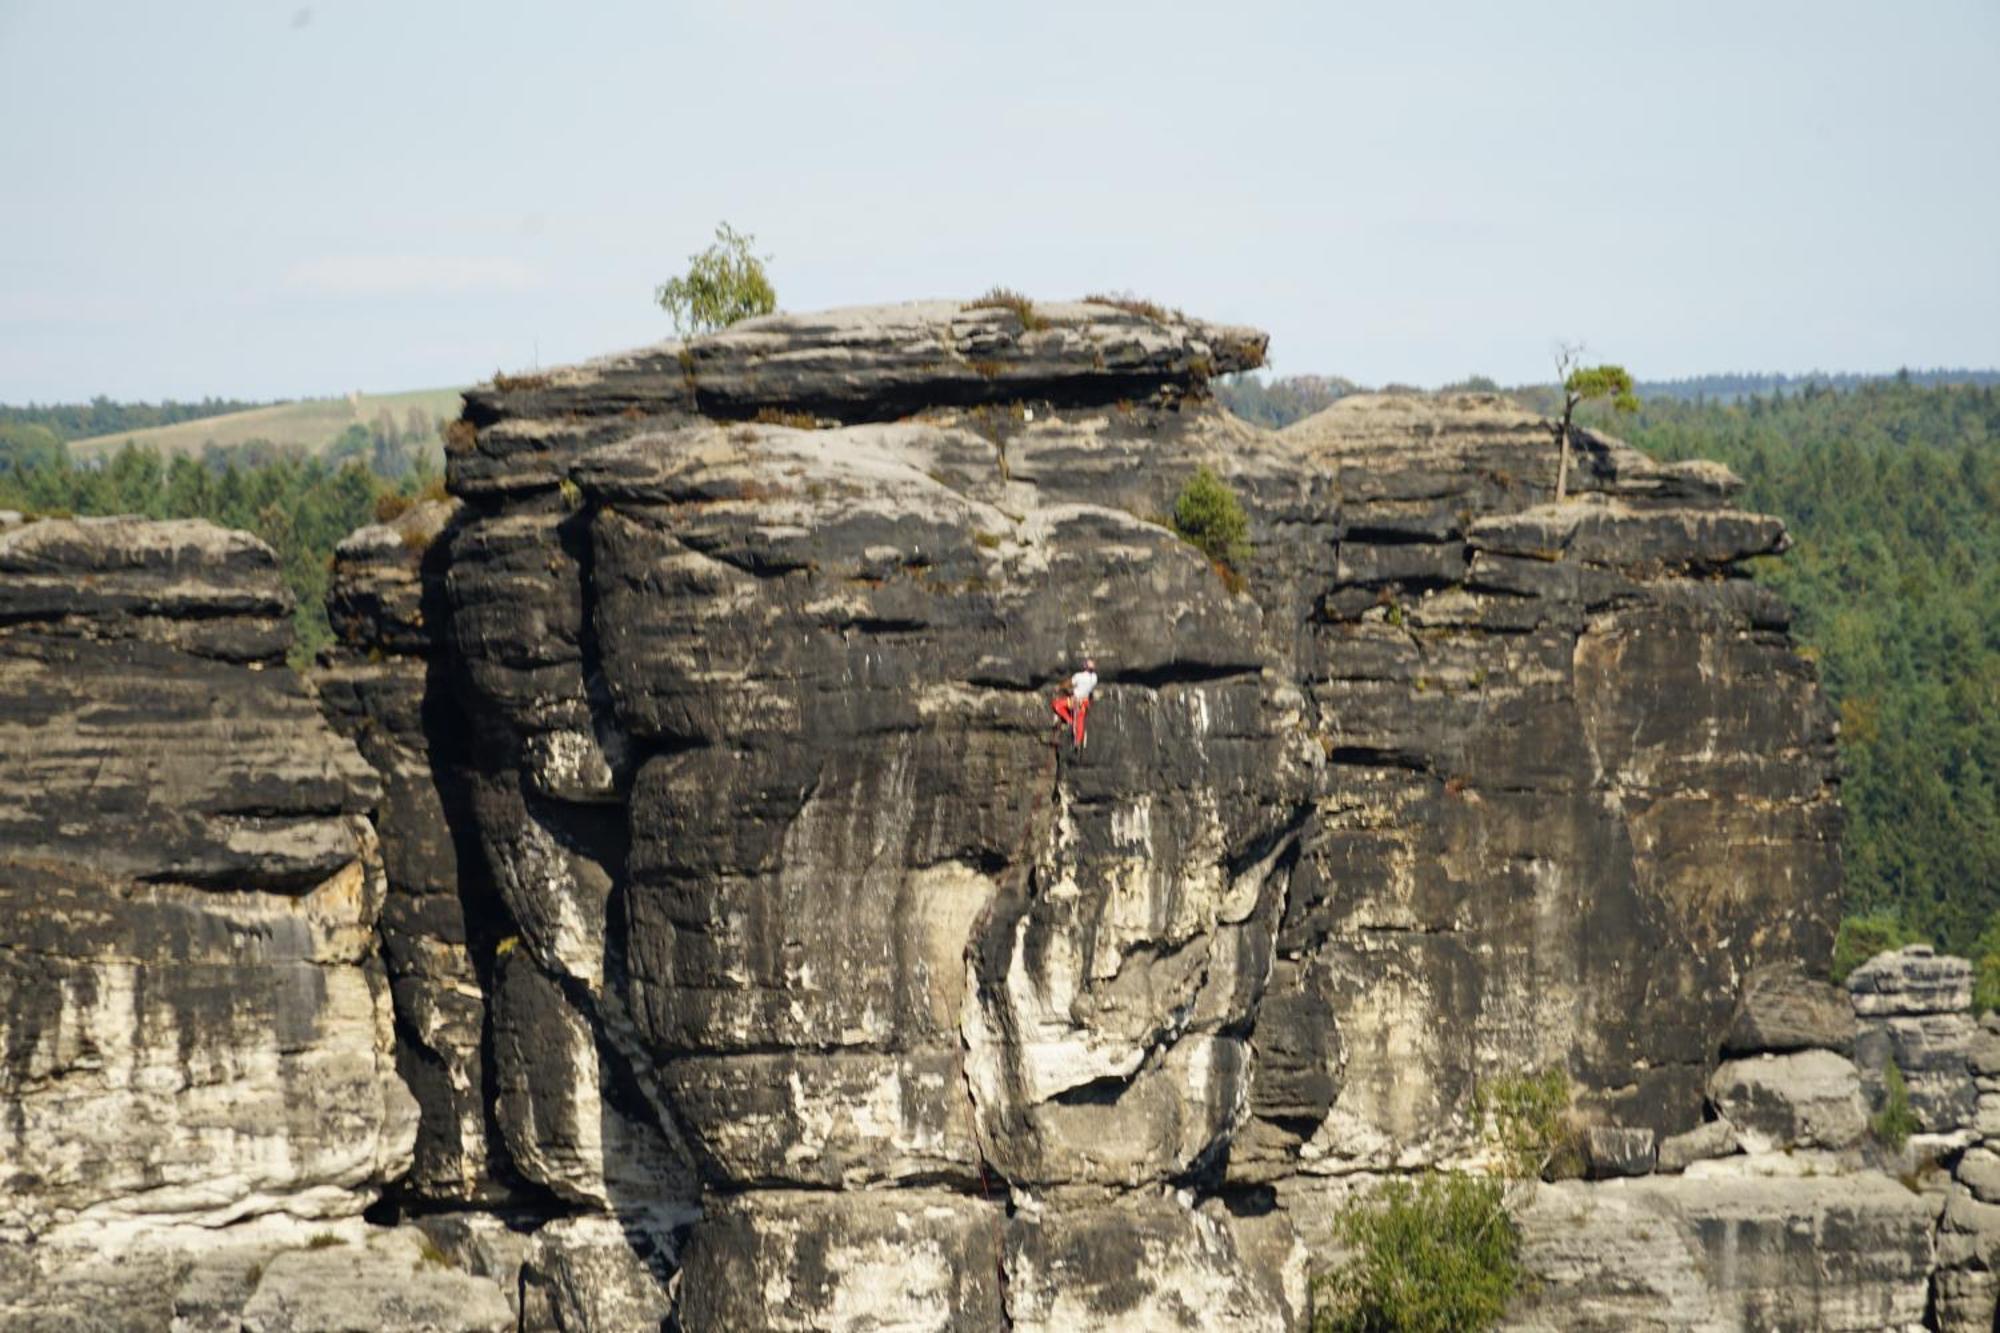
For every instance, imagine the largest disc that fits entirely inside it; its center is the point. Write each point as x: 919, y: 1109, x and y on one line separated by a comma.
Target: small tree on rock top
x: 1582, y: 384
x: 724, y: 283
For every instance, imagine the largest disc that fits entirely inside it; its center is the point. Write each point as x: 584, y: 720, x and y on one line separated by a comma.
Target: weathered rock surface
x: 592, y: 1274
x: 388, y: 686
x: 760, y: 959
x: 1715, y: 1253
x: 1459, y: 784
x: 1914, y: 1007
x: 1703, y: 1143
x: 388, y: 1279
x: 1784, y: 1010
x: 1610, y: 1151
x: 188, y: 893
x: 197, y: 1026
x: 1808, y: 1099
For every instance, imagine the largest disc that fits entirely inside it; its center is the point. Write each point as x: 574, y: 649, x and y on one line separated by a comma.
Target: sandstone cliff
x: 758, y: 958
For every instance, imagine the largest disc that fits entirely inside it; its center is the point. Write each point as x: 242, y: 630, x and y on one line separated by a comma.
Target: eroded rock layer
x: 197, y: 1027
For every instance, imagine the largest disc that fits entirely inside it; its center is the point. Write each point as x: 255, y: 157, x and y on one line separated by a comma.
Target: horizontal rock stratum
x: 762, y: 956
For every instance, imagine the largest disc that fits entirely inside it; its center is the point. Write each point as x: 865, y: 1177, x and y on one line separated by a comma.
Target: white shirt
x: 1082, y: 683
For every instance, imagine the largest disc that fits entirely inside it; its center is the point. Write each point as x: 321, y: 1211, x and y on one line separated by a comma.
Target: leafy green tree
x: 1862, y: 936
x: 1582, y: 384
x: 26, y: 444
x: 724, y: 283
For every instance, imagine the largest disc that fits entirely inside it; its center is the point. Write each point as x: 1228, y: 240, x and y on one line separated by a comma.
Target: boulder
x: 596, y: 1275
x: 1913, y: 1008
x: 390, y: 1279
x: 1978, y: 1170
x: 1911, y: 982
x: 1809, y: 1099
x: 1703, y: 1143
x: 1146, y: 1264
x: 1967, y: 1282
x: 905, y: 1259
x: 1681, y: 1253
x: 1610, y: 1151
x: 1784, y: 1010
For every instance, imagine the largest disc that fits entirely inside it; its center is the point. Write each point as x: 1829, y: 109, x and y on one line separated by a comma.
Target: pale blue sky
x: 261, y: 199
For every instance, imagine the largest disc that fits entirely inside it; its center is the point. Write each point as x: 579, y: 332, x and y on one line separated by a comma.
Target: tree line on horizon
x: 300, y: 504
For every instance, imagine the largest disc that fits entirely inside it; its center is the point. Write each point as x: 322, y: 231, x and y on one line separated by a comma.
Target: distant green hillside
x: 312, y: 424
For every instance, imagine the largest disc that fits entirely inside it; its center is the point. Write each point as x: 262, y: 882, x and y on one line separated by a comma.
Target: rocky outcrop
x: 760, y: 956
x: 1849, y: 1253
x: 197, y: 1027
x: 1913, y: 1008
x: 1458, y: 784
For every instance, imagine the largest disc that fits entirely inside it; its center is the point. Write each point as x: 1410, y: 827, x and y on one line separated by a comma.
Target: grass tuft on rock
x: 1896, y: 1121
x: 1137, y: 305
x: 1006, y: 298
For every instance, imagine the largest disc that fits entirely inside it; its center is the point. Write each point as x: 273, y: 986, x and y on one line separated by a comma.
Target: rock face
x: 1459, y: 784
x: 388, y: 688
x: 1914, y: 1008
x: 758, y: 955
x: 197, y: 1027
x: 1842, y: 1253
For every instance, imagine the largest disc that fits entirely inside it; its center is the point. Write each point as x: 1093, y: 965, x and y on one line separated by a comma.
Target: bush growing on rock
x: 1862, y: 937
x: 724, y: 283
x: 1006, y: 298
x: 1436, y: 1256
x: 1208, y: 517
x: 1529, y: 1118
x: 1895, y: 1122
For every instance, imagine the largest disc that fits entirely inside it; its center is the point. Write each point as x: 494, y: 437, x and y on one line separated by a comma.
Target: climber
x: 1075, y: 705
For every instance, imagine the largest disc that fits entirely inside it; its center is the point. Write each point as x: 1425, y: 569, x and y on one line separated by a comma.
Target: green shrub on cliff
x: 1863, y: 936
x: 1208, y: 517
x: 1895, y: 1122
x: 1528, y: 1117
x: 1437, y: 1255
x: 724, y: 283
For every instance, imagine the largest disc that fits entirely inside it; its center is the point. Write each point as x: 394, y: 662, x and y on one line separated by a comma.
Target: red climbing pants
x: 1072, y: 711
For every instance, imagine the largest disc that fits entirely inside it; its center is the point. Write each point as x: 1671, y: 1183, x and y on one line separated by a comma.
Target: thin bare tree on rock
x: 1582, y: 384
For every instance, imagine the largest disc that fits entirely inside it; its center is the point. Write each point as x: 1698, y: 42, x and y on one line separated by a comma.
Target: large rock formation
x: 197, y: 1028
x: 760, y: 956
x: 1458, y: 784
